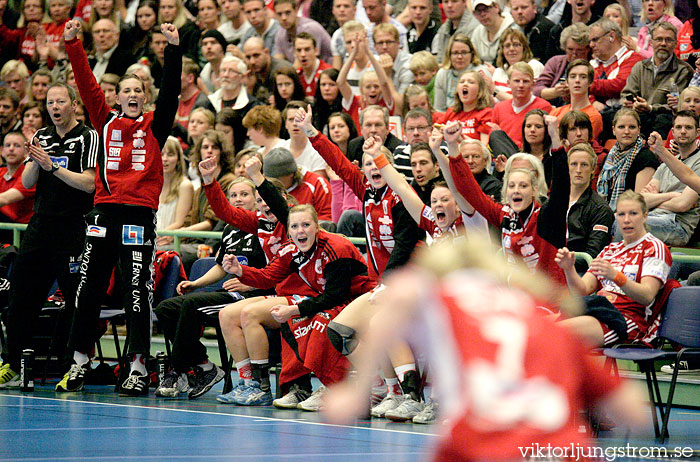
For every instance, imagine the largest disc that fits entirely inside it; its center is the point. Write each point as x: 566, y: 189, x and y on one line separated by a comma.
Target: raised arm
x: 272, y: 197
x: 90, y: 92
x: 435, y: 142
x: 166, y: 105
x: 389, y: 93
x: 414, y: 205
x: 681, y: 170
x: 551, y: 224
x: 342, y: 80
x: 332, y: 154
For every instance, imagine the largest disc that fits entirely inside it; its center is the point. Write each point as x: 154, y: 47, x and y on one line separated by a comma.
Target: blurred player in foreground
x: 508, y: 377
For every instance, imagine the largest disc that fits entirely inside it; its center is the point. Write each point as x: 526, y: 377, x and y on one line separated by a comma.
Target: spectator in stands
x: 20, y: 43
x: 630, y: 165
x: 688, y: 46
x: 424, y: 68
x: 674, y: 213
x: 108, y: 9
x: 156, y: 54
x: 423, y: 28
x: 612, y: 63
x: 590, y: 218
x: 262, y: 66
x: 632, y: 272
x: 143, y: 72
x: 375, y: 86
x: 377, y: 14
x: 360, y: 64
x: 328, y: 98
x: 263, y: 25
x: 287, y: 87
x: 173, y: 11
x: 343, y: 11
x: 510, y: 114
x: 579, y: 78
x: 240, y: 161
x: 175, y: 200
x: 478, y: 157
x: 415, y: 97
x: 9, y: 116
x: 108, y: 85
x: 16, y: 201
x: 52, y: 245
x: 652, y: 79
x: 688, y: 100
x: 230, y: 124
x: 298, y: 144
x: 32, y: 119
x: 512, y: 49
x: 232, y: 93
x: 191, y: 97
x: 551, y: 84
x: 539, y: 30
x: 263, y: 124
x: 305, y: 186
x: 374, y: 121
x: 292, y: 25
x: 460, y: 56
x: 460, y: 20
x: 213, y: 47
x: 386, y: 43
x: 618, y: 14
x: 418, y: 125
x: 653, y: 13
x: 310, y: 67
x: 472, y: 106
x: 184, y: 317
x: 14, y: 75
x: 236, y: 24
x: 199, y: 122
x: 493, y: 24
x: 536, y: 139
x: 140, y: 33
x: 208, y: 15
x: 38, y: 85
x: 109, y: 58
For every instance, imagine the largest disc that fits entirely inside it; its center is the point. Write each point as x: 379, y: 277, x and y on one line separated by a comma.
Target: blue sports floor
x: 97, y: 425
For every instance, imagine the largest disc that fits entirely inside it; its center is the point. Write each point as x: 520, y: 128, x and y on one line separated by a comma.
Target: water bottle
x: 160, y: 363
x: 673, y: 89
x: 25, y: 371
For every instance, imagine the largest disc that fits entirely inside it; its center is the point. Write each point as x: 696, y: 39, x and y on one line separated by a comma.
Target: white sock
x: 207, y: 366
x: 80, y: 358
x: 138, y: 365
x: 401, y: 370
x: 392, y: 386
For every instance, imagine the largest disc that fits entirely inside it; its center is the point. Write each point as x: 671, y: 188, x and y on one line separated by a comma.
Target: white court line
x: 122, y: 427
x: 325, y: 455
x: 274, y: 419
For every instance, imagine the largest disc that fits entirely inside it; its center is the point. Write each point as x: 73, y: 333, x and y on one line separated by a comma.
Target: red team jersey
x: 684, y: 47
x: 509, y: 378
x: 315, y: 190
x: 310, y: 85
x: 20, y: 211
x: 648, y: 256
x: 428, y: 224
x: 474, y: 121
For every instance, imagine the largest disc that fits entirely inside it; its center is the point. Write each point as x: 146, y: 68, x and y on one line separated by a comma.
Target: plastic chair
x: 680, y: 325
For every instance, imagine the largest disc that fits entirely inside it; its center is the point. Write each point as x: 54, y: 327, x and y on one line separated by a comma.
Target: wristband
x: 381, y: 161
x: 620, y: 279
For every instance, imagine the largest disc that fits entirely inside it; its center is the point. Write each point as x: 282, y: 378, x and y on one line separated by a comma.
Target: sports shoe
x: 173, y: 384
x: 74, y: 379
x: 314, y: 402
x: 379, y: 392
x: 390, y: 402
x: 8, y: 377
x: 204, y: 380
x: 292, y: 399
x: 428, y: 415
x: 683, y: 368
x: 135, y: 385
x: 230, y: 397
x: 407, y: 410
x: 253, y: 395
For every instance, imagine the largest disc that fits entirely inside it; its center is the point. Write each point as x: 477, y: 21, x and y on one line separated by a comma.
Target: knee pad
x: 342, y: 337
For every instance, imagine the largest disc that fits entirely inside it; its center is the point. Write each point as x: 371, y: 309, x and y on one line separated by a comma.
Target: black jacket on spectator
x: 118, y: 63
x: 543, y: 38
x: 590, y: 223
x: 489, y: 184
x: 355, y: 147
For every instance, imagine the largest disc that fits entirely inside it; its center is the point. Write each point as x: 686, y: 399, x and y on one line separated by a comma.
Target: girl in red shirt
x: 472, y: 107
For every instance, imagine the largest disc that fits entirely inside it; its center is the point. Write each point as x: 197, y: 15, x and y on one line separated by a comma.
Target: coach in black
x: 61, y: 162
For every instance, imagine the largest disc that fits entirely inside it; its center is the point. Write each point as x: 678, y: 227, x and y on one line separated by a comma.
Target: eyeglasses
x: 460, y: 53
x: 419, y: 128
x: 385, y: 43
x: 594, y: 40
x: 664, y: 40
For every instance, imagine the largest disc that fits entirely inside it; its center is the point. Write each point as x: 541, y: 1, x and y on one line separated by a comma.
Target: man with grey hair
x: 374, y: 121
x: 654, y: 78
x: 232, y: 93
x: 459, y: 19
x: 109, y: 58
x: 478, y: 157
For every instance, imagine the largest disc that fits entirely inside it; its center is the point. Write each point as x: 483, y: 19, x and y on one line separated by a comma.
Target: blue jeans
x: 667, y: 228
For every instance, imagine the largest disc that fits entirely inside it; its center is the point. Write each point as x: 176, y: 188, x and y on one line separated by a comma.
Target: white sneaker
x: 292, y: 399
x: 15, y: 382
x: 173, y: 384
x: 683, y: 368
x: 407, y: 410
x: 314, y: 402
x: 391, y: 401
x: 428, y: 415
x: 379, y: 392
